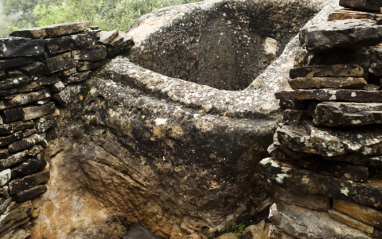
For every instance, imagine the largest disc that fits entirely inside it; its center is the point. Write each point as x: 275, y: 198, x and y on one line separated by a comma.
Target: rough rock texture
x: 368, y: 5
x: 197, y: 46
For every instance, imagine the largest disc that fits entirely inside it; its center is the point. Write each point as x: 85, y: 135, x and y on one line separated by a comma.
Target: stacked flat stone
x: 325, y: 173
x: 41, y: 69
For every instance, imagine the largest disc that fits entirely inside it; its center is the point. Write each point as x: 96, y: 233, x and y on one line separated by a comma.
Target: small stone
x: 13, y: 160
x: 34, y: 86
x: 125, y: 45
x: 52, y: 30
x: 23, y: 99
x: 350, y: 221
x: 6, y: 140
x: 348, y: 14
x: 69, y: 72
x: 4, y: 204
x: 37, y: 149
x: 342, y: 33
x: 45, y: 123
x: 6, y: 129
x: 94, y: 53
x: 337, y: 70
x: 15, y: 62
x: 307, y: 182
x: 347, y: 114
x: 106, y: 37
x: 26, y: 142
x: 363, y: 5
x: 331, y: 95
x: 14, y: 82
x: 16, y: 47
x: 59, y: 63
x: 34, y: 112
x: 29, y: 132
x: 367, y: 215
x: 49, y: 80
x: 27, y: 182
x: 67, y: 96
x: 58, y: 87
x: 13, y: 114
x: 88, y: 65
x: 30, y: 193
x: 327, y: 82
x: 5, y: 176
x: 78, y: 77
x: 30, y: 166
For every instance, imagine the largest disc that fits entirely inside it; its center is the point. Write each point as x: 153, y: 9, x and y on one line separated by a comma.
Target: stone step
x: 347, y: 114
x: 331, y: 142
x: 327, y: 82
x: 331, y: 95
x: 363, y: 5
x: 350, y: 33
x: 349, y: 14
x: 336, y: 70
x: 307, y: 182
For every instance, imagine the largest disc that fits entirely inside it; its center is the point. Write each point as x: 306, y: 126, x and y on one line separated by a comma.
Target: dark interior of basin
x: 226, y: 46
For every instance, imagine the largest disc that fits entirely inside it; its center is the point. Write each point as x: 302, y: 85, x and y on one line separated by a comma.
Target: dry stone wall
x: 325, y: 171
x: 41, y: 70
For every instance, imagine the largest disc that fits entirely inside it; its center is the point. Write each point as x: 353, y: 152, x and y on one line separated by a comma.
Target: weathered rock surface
x: 52, y: 30
x: 350, y: 221
x: 15, y: 47
x: 347, y: 114
x: 327, y: 82
x: 94, y: 53
x: 307, y: 182
x: 303, y: 223
x: 342, y: 33
x: 365, y: 5
x: 59, y: 63
x: 63, y: 44
x: 348, y: 14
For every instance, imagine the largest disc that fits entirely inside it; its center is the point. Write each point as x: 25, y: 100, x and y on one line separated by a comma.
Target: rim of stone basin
x: 256, y: 101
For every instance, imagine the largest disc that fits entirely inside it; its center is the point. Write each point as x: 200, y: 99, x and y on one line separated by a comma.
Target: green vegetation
x: 76, y: 135
x: 107, y: 14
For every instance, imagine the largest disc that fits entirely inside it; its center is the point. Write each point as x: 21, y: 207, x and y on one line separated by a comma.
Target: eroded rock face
x: 222, y: 44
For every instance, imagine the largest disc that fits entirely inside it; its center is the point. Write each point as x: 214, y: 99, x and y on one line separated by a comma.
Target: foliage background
x: 107, y: 14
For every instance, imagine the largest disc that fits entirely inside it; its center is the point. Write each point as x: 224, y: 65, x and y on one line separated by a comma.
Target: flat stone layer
x: 331, y: 95
x: 331, y: 142
x: 348, y: 14
x: 307, y: 182
x: 354, y: 70
x: 347, y: 114
x: 366, y: 5
x: 342, y: 33
x: 327, y: 82
x: 52, y: 30
x: 350, y: 221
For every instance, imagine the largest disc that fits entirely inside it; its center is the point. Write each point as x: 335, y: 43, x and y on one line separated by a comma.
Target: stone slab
x: 45, y: 123
x: 72, y: 42
x: 30, y: 166
x: 6, y: 140
x: 23, y: 99
x: 5, y: 176
x: 77, y: 77
x: 15, y: 62
x: 302, y: 200
x: 347, y: 114
x: 125, y: 45
x: 33, y: 68
x: 106, y: 37
x: 27, y: 182
x: 6, y: 129
x: 26, y: 142
x: 13, y: 160
x: 52, y: 30
x: 367, y: 215
x: 307, y: 182
x: 66, y: 96
x: 350, y: 221
x: 335, y: 70
x: 34, y: 112
x: 350, y: 33
x: 17, y: 213
x: 17, y: 47
x: 364, y: 5
x: 331, y: 95
x: 305, y: 223
x: 327, y: 82
x: 93, y: 53
x: 349, y: 14
x: 59, y: 63
x: 30, y: 193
